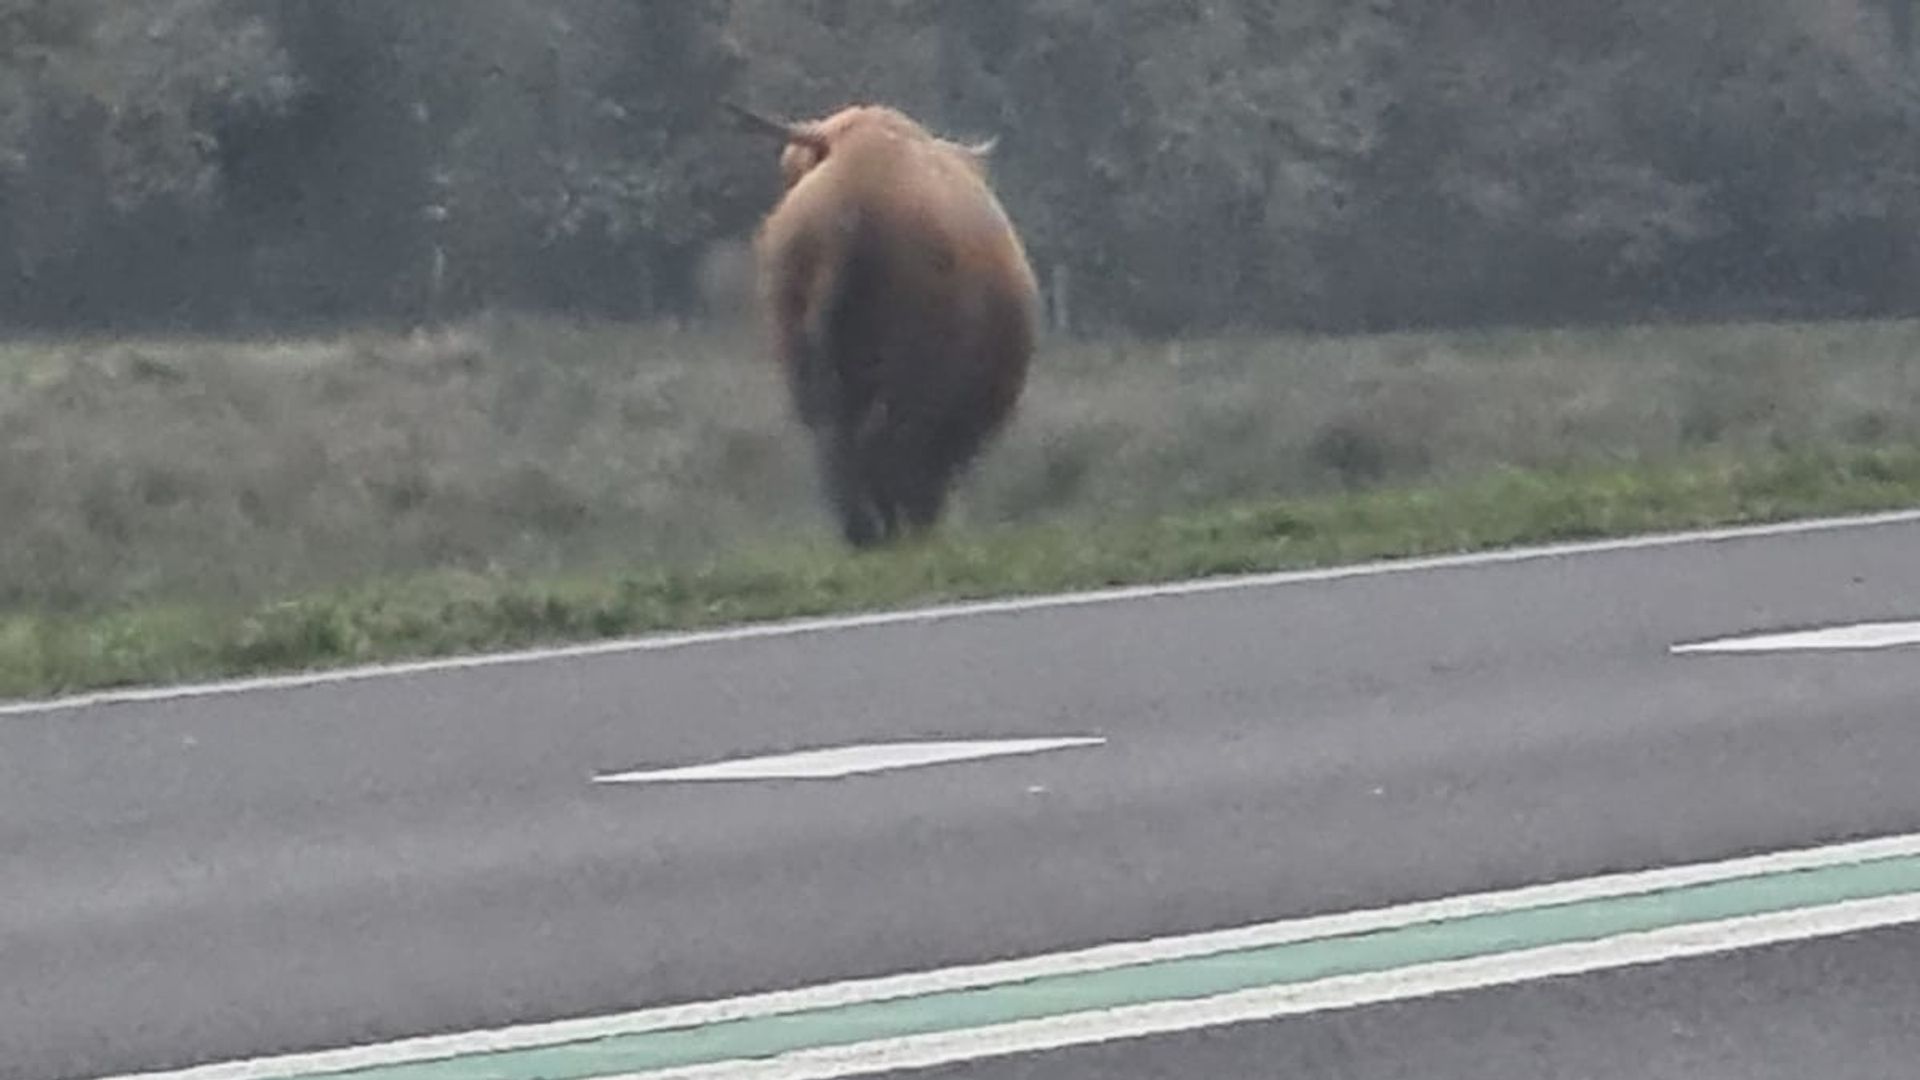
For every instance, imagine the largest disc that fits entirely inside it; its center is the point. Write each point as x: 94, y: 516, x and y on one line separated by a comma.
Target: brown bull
x: 902, y: 309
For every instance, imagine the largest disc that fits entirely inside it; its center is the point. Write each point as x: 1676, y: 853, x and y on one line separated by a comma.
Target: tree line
x: 1176, y: 165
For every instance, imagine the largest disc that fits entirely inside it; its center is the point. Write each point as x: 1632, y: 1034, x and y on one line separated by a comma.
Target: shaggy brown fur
x: 902, y: 309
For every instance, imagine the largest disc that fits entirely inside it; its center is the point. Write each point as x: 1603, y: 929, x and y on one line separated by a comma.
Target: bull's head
x: 805, y: 144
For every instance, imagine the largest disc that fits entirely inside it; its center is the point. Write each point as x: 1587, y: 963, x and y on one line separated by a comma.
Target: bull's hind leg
x: 893, y: 449
x: 865, y: 520
x: 924, y: 501
x: 912, y: 486
x: 929, y: 474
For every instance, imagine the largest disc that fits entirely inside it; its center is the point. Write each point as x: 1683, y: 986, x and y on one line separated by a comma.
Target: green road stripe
x: 1168, y: 980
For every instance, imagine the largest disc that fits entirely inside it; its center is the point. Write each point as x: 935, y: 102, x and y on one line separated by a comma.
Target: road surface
x: 1843, y: 1010
x: 231, y: 875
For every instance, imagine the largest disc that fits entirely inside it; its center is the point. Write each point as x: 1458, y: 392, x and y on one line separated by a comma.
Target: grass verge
x: 140, y: 471
x: 437, y: 614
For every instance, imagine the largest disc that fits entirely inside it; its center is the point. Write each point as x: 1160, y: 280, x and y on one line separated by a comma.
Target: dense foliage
x: 1177, y: 164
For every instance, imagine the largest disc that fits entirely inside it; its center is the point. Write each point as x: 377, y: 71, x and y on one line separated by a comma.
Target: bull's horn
x: 984, y: 147
x: 788, y: 132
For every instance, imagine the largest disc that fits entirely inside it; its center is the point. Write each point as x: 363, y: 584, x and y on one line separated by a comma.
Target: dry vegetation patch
x: 230, y: 471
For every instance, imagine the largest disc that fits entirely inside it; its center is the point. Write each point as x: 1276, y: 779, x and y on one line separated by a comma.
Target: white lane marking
x: 940, y: 613
x: 832, y: 763
x: 1875, y: 635
x: 1079, y: 961
x: 1340, y: 992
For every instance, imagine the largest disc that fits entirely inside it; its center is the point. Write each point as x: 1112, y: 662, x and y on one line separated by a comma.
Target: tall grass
x: 141, y: 472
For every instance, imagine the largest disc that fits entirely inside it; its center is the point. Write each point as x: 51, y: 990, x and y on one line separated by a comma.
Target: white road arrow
x: 836, y: 762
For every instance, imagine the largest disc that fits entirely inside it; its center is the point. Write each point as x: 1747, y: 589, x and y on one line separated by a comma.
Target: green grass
x: 136, y: 472
x: 442, y: 612
x: 177, y: 508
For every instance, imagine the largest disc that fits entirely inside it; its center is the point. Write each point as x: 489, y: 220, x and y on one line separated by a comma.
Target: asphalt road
x: 1844, y: 1009
x: 254, y: 873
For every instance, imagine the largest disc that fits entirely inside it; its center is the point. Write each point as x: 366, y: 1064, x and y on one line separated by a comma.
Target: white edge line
x: 1340, y: 992
x: 856, y: 759
x: 942, y: 612
x: 1080, y: 961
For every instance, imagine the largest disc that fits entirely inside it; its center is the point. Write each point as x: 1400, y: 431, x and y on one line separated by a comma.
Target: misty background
x: 306, y: 294
x: 1177, y: 166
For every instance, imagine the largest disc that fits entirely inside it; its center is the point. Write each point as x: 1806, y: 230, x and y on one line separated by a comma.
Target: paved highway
x: 220, y: 876
x: 1842, y: 1010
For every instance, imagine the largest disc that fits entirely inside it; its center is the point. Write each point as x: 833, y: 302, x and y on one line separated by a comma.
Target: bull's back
x: 893, y: 265
x: 938, y: 298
